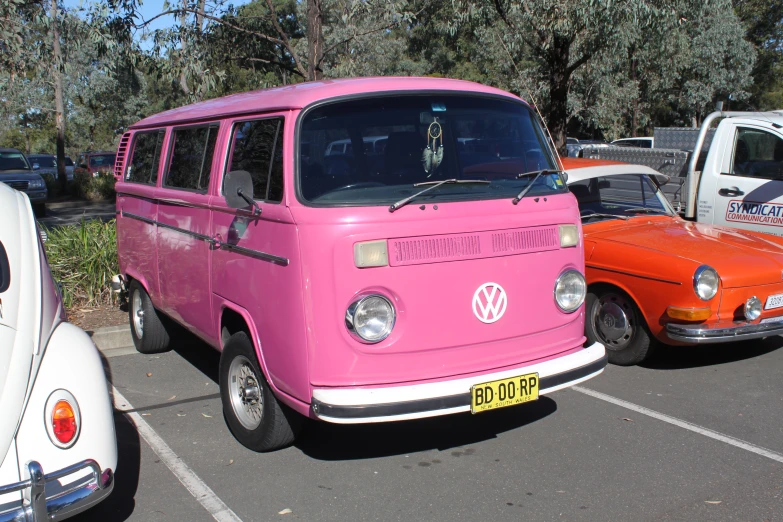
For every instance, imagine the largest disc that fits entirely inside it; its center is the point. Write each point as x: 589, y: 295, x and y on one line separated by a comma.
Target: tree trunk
x: 635, y: 108
x: 559, y: 76
x: 315, y: 40
x: 183, y: 19
x: 59, y: 105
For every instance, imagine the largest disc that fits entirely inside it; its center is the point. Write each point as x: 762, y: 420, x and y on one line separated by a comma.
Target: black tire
x: 624, y: 346
x: 39, y: 209
x: 154, y: 336
x: 277, y: 425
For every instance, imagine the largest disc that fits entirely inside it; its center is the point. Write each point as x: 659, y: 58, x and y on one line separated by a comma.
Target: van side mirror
x: 238, y: 189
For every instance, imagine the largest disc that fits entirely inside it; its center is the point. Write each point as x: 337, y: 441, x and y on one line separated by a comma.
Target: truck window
x: 145, y: 158
x: 257, y: 147
x: 757, y: 154
x: 5, y: 270
x: 190, y: 160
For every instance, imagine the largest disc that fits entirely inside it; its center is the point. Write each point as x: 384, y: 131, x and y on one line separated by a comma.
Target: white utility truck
x: 736, y: 181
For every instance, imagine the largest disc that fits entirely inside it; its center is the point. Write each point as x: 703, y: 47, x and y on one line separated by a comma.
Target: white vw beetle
x: 58, y: 450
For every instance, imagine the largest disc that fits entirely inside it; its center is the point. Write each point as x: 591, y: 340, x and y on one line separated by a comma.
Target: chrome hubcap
x: 247, y: 399
x: 137, y: 313
x: 613, y: 319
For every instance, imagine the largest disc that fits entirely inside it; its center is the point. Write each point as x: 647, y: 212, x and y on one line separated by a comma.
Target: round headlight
x: 371, y: 318
x: 705, y: 282
x: 752, y: 308
x: 570, y: 291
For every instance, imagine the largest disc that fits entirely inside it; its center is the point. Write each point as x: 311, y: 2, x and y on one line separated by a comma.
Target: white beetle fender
x: 71, y: 362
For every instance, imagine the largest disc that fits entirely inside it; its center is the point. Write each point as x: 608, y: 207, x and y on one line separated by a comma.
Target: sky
x: 148, y: 9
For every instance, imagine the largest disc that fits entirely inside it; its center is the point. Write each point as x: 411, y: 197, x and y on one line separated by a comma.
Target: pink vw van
x: 361, y: 250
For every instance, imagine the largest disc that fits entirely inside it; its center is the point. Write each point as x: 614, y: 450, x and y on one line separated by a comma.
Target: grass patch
x: 83, y: 186
x: 83, y: 259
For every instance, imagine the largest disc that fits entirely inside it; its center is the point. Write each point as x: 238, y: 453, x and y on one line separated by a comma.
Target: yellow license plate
x: 503, y: 392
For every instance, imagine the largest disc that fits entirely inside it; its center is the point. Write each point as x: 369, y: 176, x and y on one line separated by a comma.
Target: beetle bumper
x: 415, y: 401
x: 37, y: 507
x: 739, y: 331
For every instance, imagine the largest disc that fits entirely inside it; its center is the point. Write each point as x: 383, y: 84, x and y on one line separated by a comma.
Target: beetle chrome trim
x: 698, y: 334
x: 65, y: 503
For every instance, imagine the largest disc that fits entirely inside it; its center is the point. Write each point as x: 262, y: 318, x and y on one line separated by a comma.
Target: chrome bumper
x: 37, y: 507
x: 700, y: 334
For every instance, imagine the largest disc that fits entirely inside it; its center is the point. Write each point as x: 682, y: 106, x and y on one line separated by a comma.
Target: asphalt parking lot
x: 695, y: 435
x: 72, y: 212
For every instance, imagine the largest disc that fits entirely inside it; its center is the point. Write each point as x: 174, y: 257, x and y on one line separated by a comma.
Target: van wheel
x: 254, y: 415
x: 147, y: 328
x: 614, y: 320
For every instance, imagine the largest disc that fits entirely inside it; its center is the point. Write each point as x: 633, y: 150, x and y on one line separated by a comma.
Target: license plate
x: 774, y: 301
x: 778, y: 319
x: 503, y: 392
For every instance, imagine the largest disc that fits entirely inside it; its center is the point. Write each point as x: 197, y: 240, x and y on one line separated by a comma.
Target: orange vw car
x: 654, y: 277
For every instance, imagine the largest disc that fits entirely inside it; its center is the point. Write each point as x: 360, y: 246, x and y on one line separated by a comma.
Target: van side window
x: 190, y: 161
x: 757, y: 154
x: 145, y: 157
x: 257, y: 147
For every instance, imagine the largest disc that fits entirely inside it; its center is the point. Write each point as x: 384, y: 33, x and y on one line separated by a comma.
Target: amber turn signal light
x: 64, y: 422
x: 689, y: 314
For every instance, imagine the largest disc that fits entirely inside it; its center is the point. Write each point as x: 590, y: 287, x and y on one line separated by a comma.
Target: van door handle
x: 216, y: 241
x: 730, y: 192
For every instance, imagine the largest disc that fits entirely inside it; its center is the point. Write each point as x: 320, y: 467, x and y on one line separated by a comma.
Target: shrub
x: 88, y: 187
x: 84, y: 259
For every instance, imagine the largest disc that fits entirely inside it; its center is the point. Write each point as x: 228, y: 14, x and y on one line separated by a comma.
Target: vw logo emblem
x: 489, y: 302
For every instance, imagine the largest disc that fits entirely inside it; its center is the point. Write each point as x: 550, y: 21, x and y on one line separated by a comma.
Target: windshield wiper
x: 430, y: 186
x: 610, y: 216
x: 645, y: 210
x: 538, y: 174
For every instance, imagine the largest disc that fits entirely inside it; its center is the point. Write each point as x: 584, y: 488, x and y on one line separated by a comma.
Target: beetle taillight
x: 64, y: 422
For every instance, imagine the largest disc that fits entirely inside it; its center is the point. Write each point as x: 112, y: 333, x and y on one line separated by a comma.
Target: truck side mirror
x: 661, y: 179
x: 238, y: 190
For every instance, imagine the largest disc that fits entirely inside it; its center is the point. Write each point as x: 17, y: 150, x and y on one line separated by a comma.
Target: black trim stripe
x: 277, y: 260
x: 633, y: 275
x: 441, y: 403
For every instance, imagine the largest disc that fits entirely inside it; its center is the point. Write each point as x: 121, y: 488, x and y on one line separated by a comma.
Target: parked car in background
x: 642, y: 143
x: 57, y: 439
x: 69, y: 167
x: 655, y: 277
x: 96, y: 163
x: 18, y: 173
x: 381, y: 287
x: 44, y: 164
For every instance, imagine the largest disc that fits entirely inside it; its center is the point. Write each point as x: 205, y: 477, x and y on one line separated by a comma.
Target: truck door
x: 749, y: 188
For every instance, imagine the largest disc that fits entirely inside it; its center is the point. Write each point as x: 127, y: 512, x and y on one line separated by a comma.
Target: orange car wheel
x: 614, y: 320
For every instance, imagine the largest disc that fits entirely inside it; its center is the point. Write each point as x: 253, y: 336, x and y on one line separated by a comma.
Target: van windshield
x: 373, y: 151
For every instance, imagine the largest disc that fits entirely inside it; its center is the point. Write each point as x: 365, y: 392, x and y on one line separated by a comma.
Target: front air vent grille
x: 476, y: 245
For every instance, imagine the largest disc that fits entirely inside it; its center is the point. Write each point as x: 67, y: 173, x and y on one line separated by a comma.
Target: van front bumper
x: 37, y: 507
x: 416, y: 401
x: 740, y: 331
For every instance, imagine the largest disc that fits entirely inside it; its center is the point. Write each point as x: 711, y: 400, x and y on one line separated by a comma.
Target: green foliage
x: 83, y: 259
x: 85, y: 186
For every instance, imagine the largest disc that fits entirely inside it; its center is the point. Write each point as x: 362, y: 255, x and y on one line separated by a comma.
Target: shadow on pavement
x: 120, y: 504
x: 682, y: 357
x: 324, y: 441
x: 198, y: 353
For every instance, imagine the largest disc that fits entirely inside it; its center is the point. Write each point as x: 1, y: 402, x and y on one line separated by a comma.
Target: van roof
x: 300, y: 95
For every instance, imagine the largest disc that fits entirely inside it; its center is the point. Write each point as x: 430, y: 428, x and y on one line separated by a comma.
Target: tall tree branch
x: 284, y: 39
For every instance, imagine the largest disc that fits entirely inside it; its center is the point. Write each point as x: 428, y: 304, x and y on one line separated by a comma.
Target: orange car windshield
x: 623, y: 196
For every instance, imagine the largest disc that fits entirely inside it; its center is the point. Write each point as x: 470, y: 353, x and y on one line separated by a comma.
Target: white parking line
x: 200, y: 491
x: 758, y: 450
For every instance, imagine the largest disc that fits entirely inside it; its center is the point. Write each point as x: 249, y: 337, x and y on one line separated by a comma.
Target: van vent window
x: 257, y: 147
x: 143, y: 166
x: 5, y: 270
x: 121, y: 151
x: 191, y: 158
